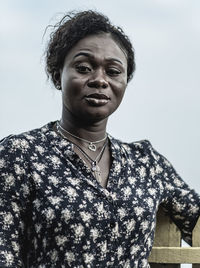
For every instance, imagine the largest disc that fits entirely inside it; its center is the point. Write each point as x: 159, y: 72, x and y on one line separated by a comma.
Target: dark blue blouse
x: 54, y: 214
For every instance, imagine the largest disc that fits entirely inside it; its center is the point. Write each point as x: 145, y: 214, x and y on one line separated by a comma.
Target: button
x: 112, y: 224
x: 110, y: 199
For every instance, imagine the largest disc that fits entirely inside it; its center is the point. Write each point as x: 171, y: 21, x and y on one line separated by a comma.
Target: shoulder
x: 142, y: 146
x: 23, y: 143
x: 141, y: 149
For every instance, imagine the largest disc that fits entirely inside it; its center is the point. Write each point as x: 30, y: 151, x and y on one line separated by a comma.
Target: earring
x: 57, y: 80
x: 58, y: 87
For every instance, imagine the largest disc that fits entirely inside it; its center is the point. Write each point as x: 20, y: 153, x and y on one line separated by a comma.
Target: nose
x: 98, y: 80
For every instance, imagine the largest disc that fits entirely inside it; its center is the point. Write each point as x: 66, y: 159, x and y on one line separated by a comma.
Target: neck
x: 90, y: 130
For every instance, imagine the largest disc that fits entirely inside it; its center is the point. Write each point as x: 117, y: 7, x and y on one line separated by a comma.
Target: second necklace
x: 94, y: 162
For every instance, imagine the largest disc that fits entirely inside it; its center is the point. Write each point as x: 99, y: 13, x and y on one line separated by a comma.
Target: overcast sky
x: 162, y: 101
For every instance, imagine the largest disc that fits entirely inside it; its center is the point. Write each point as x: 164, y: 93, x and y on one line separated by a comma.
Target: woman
x: 72, y: 195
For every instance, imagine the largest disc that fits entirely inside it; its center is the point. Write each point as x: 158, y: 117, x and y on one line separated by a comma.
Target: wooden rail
x: 167, y: 251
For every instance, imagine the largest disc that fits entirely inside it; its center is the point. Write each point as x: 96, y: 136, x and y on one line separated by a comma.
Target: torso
x: 73, y: 216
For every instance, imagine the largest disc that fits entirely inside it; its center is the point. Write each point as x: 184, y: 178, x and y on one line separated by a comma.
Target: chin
x: 101, y: 113
x: 94, y: 117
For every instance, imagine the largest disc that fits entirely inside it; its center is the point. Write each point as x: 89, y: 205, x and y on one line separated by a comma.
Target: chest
x: 67, y: 196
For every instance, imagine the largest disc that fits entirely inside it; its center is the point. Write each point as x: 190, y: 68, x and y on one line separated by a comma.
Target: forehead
x: 102, y: 45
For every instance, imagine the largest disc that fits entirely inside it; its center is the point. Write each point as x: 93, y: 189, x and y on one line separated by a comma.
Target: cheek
x: 72, y: 86
x: 120, y: 90
x: 69, y: 79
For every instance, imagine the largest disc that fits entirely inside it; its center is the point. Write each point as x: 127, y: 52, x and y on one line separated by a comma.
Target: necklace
x: 91, y: 144
x: 93, y: 162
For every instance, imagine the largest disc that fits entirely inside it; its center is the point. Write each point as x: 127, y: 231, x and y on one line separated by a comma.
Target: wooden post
x: 166, y: 235
x: 196, y: 239
x: 167, y: 251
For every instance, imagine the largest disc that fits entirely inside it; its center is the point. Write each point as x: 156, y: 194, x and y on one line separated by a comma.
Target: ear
x: 56, y: 79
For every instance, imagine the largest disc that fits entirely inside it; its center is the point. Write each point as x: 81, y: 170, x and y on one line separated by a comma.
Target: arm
x: 180, y: 202
x: 13, y: 205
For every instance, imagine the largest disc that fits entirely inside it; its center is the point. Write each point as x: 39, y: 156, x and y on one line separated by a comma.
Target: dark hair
x: 75, y: 26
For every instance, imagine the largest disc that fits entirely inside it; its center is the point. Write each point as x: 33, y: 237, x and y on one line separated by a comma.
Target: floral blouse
x: 54, y: 214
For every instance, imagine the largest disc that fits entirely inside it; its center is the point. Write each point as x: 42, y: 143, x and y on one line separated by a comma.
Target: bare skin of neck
x: 91, y: 131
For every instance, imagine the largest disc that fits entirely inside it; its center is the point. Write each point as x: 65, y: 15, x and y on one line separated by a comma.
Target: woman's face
x: 94, y: 78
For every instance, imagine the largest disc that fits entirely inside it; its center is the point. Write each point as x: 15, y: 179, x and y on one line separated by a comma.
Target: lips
x: 99, y: 96
x: 97, y: 99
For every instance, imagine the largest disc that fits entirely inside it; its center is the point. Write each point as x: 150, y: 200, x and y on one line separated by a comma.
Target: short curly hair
x: 75, y: 26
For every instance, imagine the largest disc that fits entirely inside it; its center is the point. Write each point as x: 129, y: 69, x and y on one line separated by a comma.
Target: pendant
x: 97, y: 175
x: 96, y: 170
x: 95, y: 167
x: 92, y: 147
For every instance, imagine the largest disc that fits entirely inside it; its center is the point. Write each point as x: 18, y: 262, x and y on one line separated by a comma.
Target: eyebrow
x: 91, y: 56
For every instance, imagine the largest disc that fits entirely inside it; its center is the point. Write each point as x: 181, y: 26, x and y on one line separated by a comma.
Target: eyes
x: 85, y: 69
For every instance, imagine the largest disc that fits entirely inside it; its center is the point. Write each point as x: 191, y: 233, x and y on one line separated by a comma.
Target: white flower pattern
x: 53, y: 213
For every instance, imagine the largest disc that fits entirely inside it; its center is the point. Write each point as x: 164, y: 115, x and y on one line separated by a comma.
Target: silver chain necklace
x: 93, y: 162
x: 91, y: 144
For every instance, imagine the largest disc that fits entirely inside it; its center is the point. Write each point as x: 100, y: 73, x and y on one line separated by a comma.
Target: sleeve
x: 180, y: 202
x: 13, y: 204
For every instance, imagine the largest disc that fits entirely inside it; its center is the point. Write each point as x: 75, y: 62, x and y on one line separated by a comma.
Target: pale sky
x: 162, y: 101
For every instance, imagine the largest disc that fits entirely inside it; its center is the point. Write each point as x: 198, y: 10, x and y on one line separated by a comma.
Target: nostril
x: 104, y: 85
x: 98, y: 84
x: 93, y: 84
